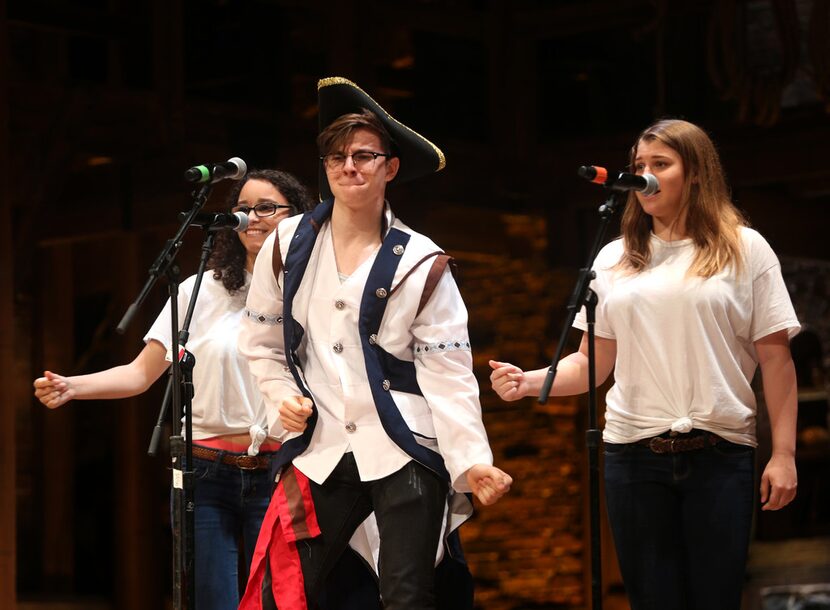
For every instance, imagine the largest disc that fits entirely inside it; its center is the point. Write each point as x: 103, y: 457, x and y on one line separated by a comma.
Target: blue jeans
x: 681, y: 524
x: 230, y: 506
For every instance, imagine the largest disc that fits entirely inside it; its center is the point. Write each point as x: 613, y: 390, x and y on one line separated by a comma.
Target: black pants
x: 409, y: 508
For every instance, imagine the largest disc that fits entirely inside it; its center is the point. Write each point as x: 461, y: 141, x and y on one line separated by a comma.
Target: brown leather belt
x: 680, y: 443
x: 241, y: 461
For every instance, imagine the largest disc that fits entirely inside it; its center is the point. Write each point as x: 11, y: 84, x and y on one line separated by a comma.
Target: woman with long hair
x: 691, y: 303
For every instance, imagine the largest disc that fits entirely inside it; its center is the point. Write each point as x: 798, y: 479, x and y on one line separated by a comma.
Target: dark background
x: 104, y: 104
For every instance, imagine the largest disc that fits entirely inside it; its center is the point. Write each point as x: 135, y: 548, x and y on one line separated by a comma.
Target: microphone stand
x: 583, y: 295
x: 184, y: 580
x: 184, y: 502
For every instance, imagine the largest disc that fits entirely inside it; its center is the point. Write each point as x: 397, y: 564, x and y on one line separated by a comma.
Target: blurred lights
x: 98, y: 161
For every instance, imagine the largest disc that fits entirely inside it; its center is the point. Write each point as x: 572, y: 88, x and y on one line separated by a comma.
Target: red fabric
x: 296, y: 507
x: 290, y: 517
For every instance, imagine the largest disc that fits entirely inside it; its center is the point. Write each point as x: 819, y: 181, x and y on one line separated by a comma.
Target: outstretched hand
x: 508, y: 381
x: 53, y: 390
x: 488, y: 483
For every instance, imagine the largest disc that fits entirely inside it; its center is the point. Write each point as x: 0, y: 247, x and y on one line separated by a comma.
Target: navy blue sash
x: 381, y: 378
x: 385, y: 372
x: 296, y: 261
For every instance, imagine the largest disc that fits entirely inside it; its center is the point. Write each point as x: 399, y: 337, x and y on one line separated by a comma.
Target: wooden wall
x: 103, y: 105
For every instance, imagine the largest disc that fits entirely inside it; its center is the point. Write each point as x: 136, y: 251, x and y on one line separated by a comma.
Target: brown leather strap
x: 276, y: 257
x: 240, y: 460
x: 679, y: 444
x: 414, y: 267
x: 435, y: 272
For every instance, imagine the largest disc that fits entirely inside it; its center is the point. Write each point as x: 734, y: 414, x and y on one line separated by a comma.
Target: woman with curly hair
x: 231, y: 447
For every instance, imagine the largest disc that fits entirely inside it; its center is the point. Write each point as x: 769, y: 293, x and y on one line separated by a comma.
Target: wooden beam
x: 58, y: 447
x: 8, y: 445
x: 141, y: 560
x: 168, y: 65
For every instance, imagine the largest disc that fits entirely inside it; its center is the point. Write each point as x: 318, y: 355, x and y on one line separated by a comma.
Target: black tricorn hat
x: 337, y: 96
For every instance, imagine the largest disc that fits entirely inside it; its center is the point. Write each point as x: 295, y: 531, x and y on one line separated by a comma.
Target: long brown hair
x: 712, y: 221
x: 228, y: 257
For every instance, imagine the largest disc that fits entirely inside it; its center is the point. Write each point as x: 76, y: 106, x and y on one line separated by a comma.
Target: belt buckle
x: 656, y: 444
x: 243, y: 462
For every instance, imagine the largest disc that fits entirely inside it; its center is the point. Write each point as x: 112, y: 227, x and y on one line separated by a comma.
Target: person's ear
x: 392, y: 166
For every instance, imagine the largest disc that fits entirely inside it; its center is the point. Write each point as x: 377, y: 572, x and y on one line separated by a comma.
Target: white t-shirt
x: 685, y: 345
x: 226, y: 400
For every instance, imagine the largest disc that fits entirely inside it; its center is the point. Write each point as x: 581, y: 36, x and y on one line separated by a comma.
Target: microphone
x: 646, y: 184
x: 216, y: 221
x: 234, y: 168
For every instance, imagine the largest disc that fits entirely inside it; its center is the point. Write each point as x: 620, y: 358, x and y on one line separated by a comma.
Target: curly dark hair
x: 228, y: 257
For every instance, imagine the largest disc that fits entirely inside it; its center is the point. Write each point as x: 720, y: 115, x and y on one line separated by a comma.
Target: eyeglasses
x: 362, y: 160
x: 263, y: 209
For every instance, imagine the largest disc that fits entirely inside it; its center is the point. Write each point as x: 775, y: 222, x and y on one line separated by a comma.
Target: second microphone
x: 215, y: 221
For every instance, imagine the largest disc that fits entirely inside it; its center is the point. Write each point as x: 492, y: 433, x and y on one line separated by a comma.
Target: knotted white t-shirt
x: 227, y: 399
x: 685, y: 344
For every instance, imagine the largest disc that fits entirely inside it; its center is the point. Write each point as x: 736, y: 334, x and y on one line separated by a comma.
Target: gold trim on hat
x: 339, y: 80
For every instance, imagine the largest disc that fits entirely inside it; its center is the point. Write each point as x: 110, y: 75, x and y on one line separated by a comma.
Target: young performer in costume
x: 357, y: 335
